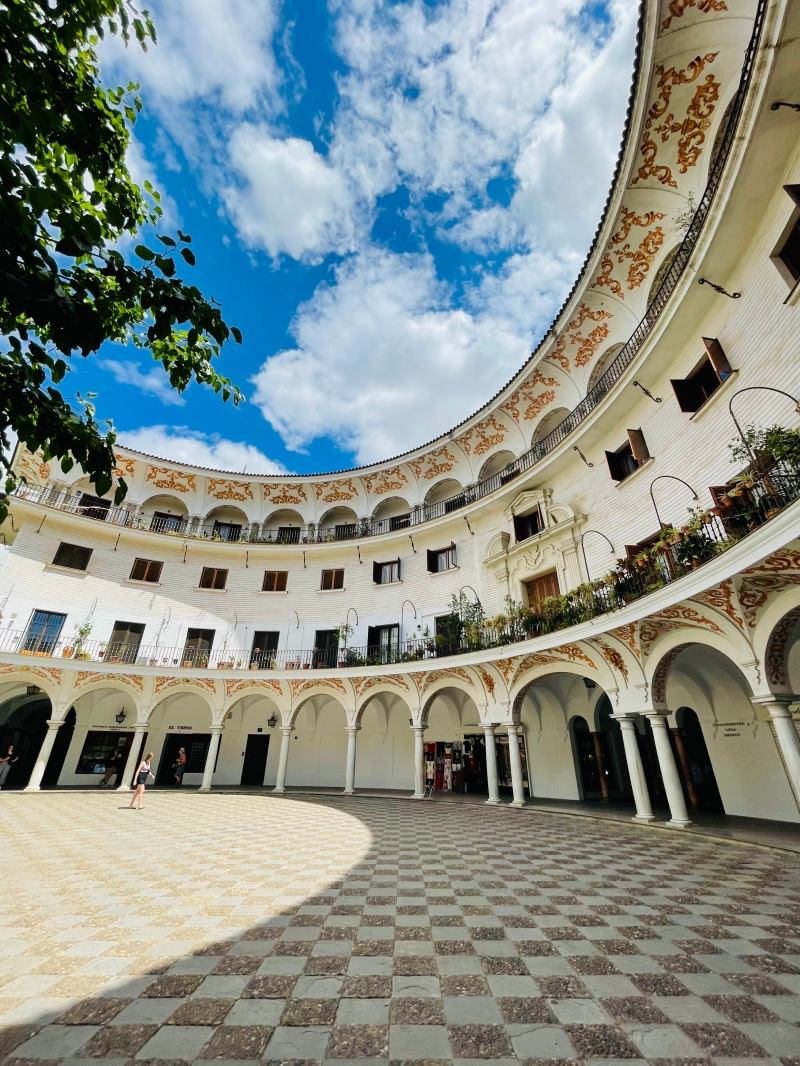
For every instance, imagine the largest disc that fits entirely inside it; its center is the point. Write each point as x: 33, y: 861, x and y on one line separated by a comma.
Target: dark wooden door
x: 255, y: 760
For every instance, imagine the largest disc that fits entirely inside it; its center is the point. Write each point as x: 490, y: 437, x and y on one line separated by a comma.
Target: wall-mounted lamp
x: 272, y: 721
x: 778, y: 104
x: 583, y: 549
x: 647, y: 392
x: 120, y: 717
x: 575, y: 448
x: 670, y: 477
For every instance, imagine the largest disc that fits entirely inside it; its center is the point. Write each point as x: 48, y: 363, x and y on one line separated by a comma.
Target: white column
x: 516, y: 768
x: 350, y: 771
x: 419, y: 763
x: 124, y: 783
x: 641, y: 797
x: 787, y: 738
x: 283, y: 759
x: 35, y: 782
x: 211, y: 758
x: 669, y: 772
x: 491, y: 765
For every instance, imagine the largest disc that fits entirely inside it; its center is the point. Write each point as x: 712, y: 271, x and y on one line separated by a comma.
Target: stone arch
x: 667, y: 647
x: 226, y: 514
x: 11, y: 676
x: 445, y: 679
x: 166, y: 503
x: 321, y: 695
x: 548, y: 423
x: 782, y: 654
x: 318, y: 740
x: 661, y: 273
x: 779, y: 605
x: 185, y: 687
x: 385, y: 742
x: 97, y: 682
x: 339, y: 521
x: 451, y: 707
x: 496, y: 463
x: 392, y: 507
x: 442, y: 490
x: 600, y: 367
x: 284, y: 518
x: 393, y: 691
x: 535, y: 667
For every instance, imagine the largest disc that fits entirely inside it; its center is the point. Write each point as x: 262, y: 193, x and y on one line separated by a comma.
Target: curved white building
x: 637, y: 567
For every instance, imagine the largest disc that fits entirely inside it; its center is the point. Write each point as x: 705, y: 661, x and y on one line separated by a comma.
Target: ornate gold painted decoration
x: 335, y: 491
x: 164, y: 683
x: 440, y: 461
x: 482, y: 437
x: 286, y: 493
x: 677, y: 9
x: 174, y: 480
x: 639, y: 258
x: 384, y: 481
x: 223, y: 489
x: 613, y: 657
x: 526, y: 393
x: 692, y: 129
x: 232, y: 685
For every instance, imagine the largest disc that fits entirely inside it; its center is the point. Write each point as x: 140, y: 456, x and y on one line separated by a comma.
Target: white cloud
x: 153, y: 382
x: 288, y: 198
x: 184, y: 445
x: 218, y: 52
x: 383, y: 361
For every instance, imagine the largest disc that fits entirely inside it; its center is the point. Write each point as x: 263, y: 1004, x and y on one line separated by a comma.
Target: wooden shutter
x: 373, y: 638
x: 399, y: 569
x: 453, y: 558
x: 432, y: 564
x: 615, y: 466
x: 638, y: 445
x: 686, y: 392
x: 281, y: 580
x: 793, y: 191
x: 717, y: 358
x: 376, y: 573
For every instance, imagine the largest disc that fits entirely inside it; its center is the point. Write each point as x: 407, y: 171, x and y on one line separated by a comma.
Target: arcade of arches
x: 707, y: 740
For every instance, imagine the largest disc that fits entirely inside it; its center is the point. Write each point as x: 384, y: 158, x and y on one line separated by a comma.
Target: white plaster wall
x: 385, y: 749
x: 551, y: 765
x: 318, y: 746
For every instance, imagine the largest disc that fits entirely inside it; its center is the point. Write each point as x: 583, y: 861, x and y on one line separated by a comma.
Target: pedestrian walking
x: 142, y: 775
x: 7, y: 760
x: 179, y: 767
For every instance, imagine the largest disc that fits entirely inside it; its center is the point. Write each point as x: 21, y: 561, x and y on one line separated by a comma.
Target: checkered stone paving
x: 248, y: 928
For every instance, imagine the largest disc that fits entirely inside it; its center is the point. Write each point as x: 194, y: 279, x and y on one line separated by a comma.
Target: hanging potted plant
x: 80, y: 635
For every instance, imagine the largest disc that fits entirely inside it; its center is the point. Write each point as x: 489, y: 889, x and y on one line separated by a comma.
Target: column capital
x: 216, y: 730
x: 489, y: 727
x: 778, y: 706
x: 418, y: 730
x: 53, y: 723
x: 353, y: 729
x: 286, y: 730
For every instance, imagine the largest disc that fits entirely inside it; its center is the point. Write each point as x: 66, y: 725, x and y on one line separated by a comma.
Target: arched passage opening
x: 225, y: 522
x: 455, y: 746
x: 385, y: 757
x: 448, y: 492
x: 339, y: 523
x: 24, y: 713
x: 741, y: 763
x: 96, y: 747
x: 548, y: 424
x: 318, y: 743
x: 250, y: 743
x: 182, y: 720
x: 164, y: 513
x: 390, y: 514
x: 495, y: 463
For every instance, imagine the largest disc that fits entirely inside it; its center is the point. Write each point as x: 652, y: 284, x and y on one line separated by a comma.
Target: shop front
x: 459, y: 766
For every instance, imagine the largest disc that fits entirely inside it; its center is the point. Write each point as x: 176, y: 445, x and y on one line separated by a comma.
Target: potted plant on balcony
x: 80, y: 635
x: 345, y: 632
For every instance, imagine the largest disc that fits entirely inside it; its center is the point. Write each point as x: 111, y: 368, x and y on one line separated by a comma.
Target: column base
x: 123, y: 788
x: 679, y: 823
x: 207, y: 789
x: 517, y: 803
x: 493, y: 803
x: 348, y: 792
x: 280, y: 791
x: 643, y: 818
x: 418, y: 795
x: 32, y: 788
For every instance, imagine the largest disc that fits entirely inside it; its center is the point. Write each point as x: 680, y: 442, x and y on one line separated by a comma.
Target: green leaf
x: 237, y: 334
x: 144, y: 252
x: 188, y: 255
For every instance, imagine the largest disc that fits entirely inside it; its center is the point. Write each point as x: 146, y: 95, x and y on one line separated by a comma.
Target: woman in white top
x: 142, y: 775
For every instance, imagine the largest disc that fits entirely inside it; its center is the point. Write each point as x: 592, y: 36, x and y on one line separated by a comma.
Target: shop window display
x: 459, y: 766
x: 102, y: 751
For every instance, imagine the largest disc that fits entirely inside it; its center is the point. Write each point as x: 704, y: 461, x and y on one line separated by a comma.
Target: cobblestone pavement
x: 237, y: 928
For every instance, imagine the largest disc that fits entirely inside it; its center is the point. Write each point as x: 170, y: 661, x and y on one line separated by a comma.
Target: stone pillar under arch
x: 124, y: 783
x: 350, y: 769
x: 491, y: 766
x: 283, y: 760
x: 419, y: 762
x: 45, y: 751
x: 679, y: 816
x: 515, y: 762
x: 641, y: 797
x: 211, y: 758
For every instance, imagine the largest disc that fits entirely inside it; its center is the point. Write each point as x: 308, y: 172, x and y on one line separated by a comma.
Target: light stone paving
x: 238, y: 928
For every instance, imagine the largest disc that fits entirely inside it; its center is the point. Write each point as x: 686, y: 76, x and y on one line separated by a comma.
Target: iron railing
x: 196, y: 528
x: 755, y: 500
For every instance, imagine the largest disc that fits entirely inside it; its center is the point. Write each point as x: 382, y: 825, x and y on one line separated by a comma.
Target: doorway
x: 695, y: 763
x: 196, y: 745
x: 255, y: 760
x: 584, y: 753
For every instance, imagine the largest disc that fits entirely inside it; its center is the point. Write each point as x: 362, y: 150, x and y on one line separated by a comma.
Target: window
x: 211, y: 578
x: 786, y: 256
x: 288, y: 535
x: 197, y: 648
x: 162, y: 522
x: 400, y: 521
x: 627, y: 459
x: 386, y: 573
x: 455, y: 502
x: 326, y: 648
x: 73, y: 556
x: 93, y: 506
x: 275, y: 581
x: 103, y: 749
x: 383, y: 643
x: 705, y: 379
x: 447, y: 629
x: 226, y: 531
x: 345, y: 532
x: 146, y: 570
x: 264, y: 650
x: 527, y: 525
x: 123, y: 646
x: 332, y: 579
x: 43, y: 631
x: 542, y: 587
x: 442, y: 559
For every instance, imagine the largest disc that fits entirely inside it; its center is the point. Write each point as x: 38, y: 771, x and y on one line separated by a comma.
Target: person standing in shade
x: 7, y: 760
x: 142, y: 775
x: 179, y: 767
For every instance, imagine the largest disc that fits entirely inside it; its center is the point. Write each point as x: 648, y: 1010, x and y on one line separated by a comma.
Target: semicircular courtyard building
x: 587, y: 591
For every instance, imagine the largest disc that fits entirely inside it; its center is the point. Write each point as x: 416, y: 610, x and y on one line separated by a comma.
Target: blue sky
x: 389, y: 199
